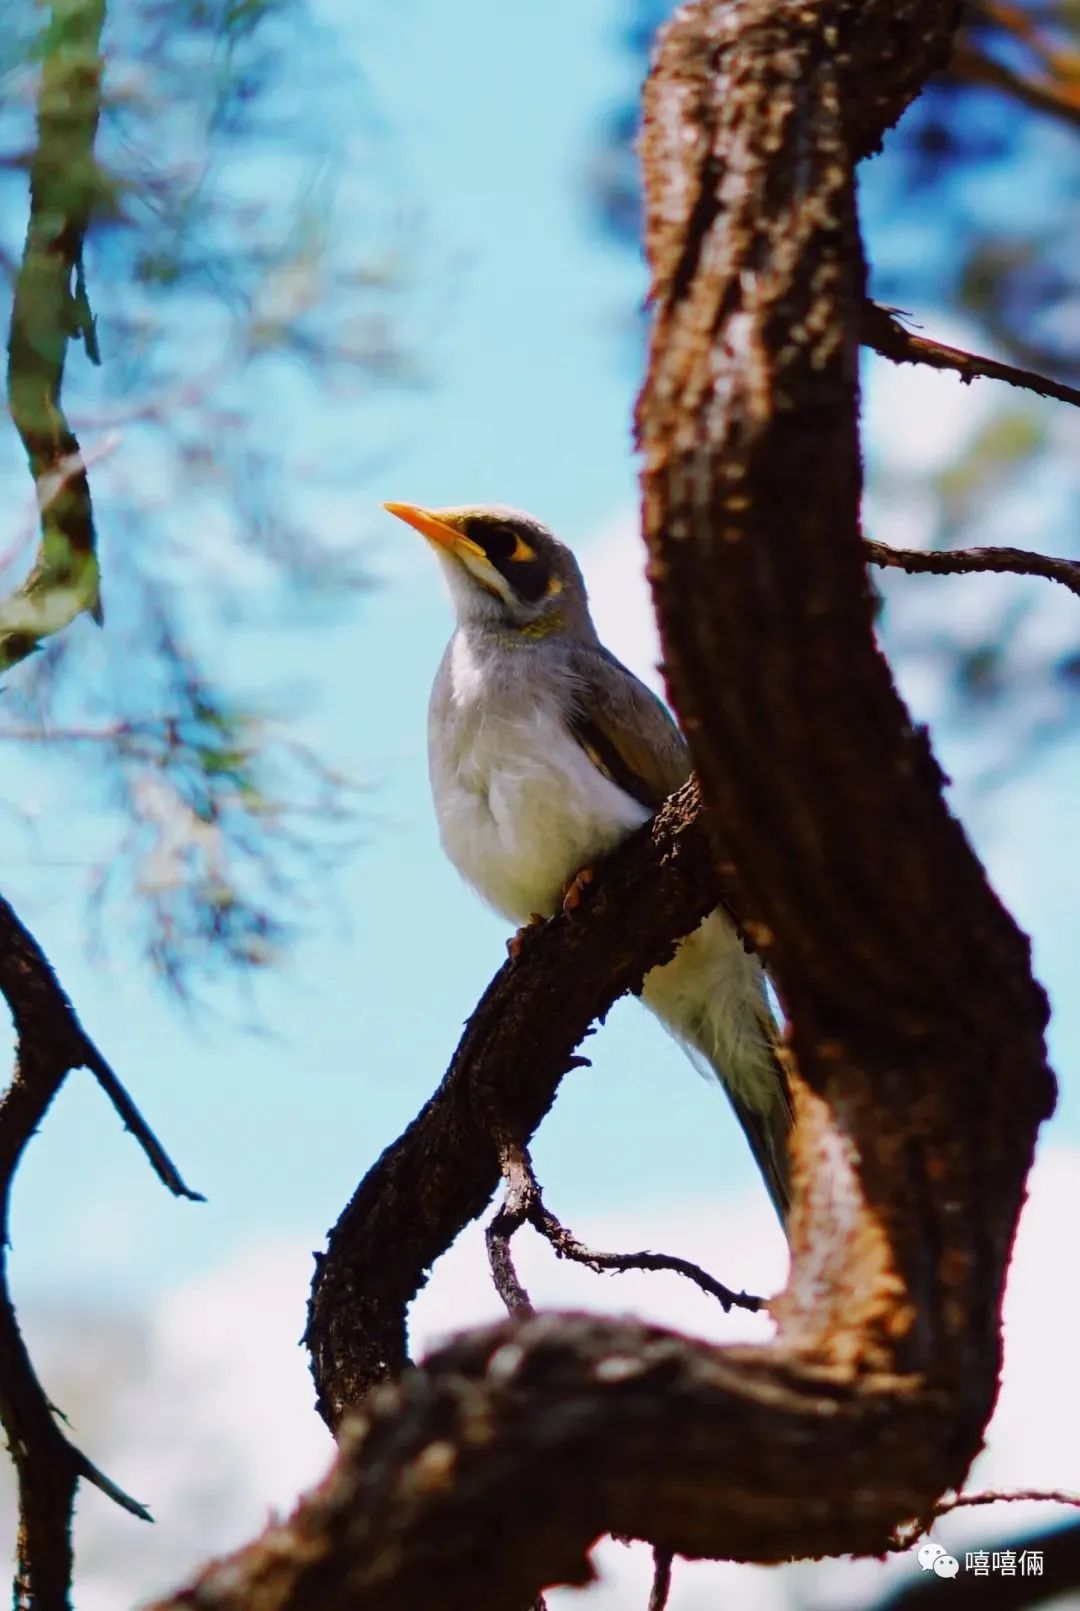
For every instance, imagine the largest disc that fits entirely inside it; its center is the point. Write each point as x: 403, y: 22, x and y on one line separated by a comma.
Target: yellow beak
x: 435, y: 528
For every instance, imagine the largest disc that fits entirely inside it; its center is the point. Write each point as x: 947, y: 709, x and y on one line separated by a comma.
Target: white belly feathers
x: 520, y: 806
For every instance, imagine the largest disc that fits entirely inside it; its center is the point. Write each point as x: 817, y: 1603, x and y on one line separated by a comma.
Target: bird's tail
x: 712, y: 998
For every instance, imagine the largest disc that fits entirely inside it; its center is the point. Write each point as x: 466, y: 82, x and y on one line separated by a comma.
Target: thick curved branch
x: 516, y: 1048
x: 49, y: 310
x: 497, y: 1466
x: 821, y: 791
x: 966, y: 561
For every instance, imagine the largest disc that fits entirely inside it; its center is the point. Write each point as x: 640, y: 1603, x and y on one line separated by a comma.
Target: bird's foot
x: 516, y: 941
x: 574, y: 893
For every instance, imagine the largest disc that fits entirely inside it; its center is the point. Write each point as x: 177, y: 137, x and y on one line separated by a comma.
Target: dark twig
x: 51, y: 1043
x: 966, y: 561
x: 35, y: 971
x: 1012, y: 1496
x: 515, y: 1209
x: 524, y: 1203
x: 49, y: 310
x: 134, y: 1122
x: 906, y: 1535
x: 884, y: 332
x: 661, y: 1583
x: 567, y: 1246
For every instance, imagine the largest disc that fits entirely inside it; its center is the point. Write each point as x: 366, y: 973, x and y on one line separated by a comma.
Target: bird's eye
x: 498, y: 542
x: 514, y: 557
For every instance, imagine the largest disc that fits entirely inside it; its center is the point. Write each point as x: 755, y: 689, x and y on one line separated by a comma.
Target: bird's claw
x: 574, y: 893
x: 516, y: 941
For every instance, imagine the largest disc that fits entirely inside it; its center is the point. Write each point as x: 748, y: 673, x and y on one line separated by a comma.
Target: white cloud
x: 206, y: 1411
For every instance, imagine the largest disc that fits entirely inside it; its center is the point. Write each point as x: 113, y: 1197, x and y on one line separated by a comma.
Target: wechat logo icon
x: 933, y: 1558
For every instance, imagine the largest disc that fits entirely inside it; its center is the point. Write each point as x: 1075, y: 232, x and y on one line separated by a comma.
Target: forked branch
x: 524, y: 1204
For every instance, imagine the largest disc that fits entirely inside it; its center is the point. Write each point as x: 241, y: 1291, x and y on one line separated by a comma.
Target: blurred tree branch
x: 966, y: 561
x: 216, y: 298
x: 1057, y: 97
x: 49, y: 1467
x: 885, y: 334
x: 51, y: 309
x: 490, y: 1471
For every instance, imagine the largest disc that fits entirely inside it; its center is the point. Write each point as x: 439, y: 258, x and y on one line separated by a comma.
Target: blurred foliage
x: 971, y: 214
x: 222, y: 293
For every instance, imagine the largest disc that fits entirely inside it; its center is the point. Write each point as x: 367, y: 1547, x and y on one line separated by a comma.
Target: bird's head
x: 506, y: 571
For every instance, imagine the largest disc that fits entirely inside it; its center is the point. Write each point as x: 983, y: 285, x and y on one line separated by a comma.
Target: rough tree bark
x: 916, y: 1028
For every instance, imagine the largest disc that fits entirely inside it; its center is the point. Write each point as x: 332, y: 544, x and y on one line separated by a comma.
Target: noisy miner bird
x: 544, y: 753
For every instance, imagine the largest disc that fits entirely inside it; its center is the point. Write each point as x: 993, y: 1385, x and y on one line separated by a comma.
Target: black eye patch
x: 513, y: 556
x: 498, y: 542
x: 528, y: 577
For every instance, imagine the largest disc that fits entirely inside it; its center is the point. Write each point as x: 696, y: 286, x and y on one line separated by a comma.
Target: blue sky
x: 489, y: 112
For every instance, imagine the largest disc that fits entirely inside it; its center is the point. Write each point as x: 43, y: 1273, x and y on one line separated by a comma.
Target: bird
x: 544, y: 753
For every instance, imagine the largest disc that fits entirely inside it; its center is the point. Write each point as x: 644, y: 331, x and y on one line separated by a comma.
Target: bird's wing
x: 626, y: 732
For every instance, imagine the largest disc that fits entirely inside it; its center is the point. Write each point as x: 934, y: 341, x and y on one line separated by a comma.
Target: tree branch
x: 51, y: 1042
x: 885, y: 334
x: 1012, y: 1496
x: 524, y: 1204
x: 971, y: 65
x: 49, y: 309
x: 915, y: 1024
x: 661, y: 1583
x: 518, y: 1043
x: 966, y: 561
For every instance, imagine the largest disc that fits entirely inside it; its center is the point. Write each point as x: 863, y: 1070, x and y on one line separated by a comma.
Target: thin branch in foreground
x: 65, y: 188
x: 51, y: 1042
x: 882, y: 331
x: 968, y: 561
